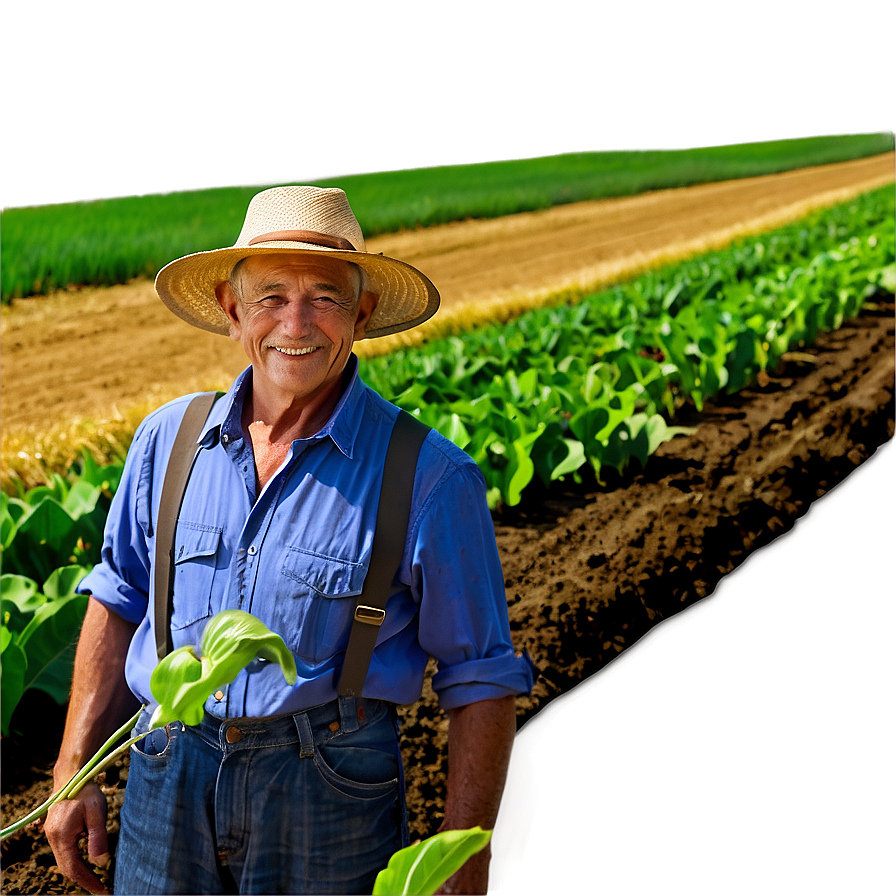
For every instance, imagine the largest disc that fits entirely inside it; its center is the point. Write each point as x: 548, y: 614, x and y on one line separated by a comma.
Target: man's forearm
x: 480, y: 740
x: 100, y: 700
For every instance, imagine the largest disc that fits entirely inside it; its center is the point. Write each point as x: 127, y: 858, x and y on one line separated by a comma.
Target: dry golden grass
x: 30, y: 455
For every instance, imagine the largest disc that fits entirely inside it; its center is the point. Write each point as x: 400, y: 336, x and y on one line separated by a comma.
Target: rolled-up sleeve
x: 121, y: 580
x: 463, y: 621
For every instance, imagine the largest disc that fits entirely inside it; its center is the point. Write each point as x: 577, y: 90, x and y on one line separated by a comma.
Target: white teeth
x: 294, y: 351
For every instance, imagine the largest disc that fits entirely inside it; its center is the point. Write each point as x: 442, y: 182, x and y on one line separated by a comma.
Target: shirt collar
x: 225, y: 418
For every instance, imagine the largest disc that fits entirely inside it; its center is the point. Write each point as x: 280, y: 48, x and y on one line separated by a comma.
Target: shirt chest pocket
x: 195, y: 566
x: 320, y: 614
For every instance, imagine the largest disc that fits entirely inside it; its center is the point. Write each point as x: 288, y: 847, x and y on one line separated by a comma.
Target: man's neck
x: 273, y: 422
x: 283, y: 418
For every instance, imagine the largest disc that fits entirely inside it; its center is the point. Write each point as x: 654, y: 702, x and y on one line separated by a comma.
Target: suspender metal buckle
x: 370, y: 615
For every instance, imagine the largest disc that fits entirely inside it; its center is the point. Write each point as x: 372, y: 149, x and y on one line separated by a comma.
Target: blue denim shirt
x: 296, y: 555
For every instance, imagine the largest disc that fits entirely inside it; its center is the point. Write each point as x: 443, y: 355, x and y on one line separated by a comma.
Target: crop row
x: 595, y: 385
x: 113, y: 240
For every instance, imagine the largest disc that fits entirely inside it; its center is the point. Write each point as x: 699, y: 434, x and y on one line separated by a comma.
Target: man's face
x: 296, y: 317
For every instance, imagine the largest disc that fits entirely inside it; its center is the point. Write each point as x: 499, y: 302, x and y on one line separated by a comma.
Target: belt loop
x: 348, y: 713
x: 306, y: 736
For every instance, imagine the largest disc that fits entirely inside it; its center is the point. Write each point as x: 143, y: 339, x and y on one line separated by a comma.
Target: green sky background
x: 103, y: 98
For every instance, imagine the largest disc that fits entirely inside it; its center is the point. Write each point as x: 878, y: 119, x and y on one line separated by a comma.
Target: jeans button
x: 233, y: 735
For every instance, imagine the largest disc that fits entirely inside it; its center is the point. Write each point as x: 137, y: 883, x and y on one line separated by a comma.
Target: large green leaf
x: 57, y: 489
x: 44, y: 540
x: 423, y: 867
x: 182, y: 681
x: 49, y: 640
x: 21, y: 592
x: 12, y: 679
x: 81, y: 499
x: 62, y: 582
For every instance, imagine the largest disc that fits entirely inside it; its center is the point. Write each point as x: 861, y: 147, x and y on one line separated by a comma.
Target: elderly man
x: 291, y: 788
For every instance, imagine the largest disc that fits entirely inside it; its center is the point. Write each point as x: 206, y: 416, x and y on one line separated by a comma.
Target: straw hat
x: 309, y: 221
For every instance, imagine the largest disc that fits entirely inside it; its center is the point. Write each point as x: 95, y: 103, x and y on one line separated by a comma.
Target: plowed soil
x: 588, y: 570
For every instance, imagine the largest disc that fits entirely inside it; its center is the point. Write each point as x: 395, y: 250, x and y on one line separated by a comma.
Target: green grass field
x: 113, y: 240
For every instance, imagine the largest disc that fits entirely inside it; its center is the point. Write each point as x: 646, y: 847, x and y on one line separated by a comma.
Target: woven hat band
x: 304, y: 236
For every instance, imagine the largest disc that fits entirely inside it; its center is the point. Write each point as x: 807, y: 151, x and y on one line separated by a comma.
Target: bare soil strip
x: 88, y: 354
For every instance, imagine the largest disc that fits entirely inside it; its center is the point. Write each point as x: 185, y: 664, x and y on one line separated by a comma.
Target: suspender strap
x: 180, y: 463
x: 393, y: 514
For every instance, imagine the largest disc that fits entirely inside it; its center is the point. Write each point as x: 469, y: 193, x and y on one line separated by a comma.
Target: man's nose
x: 296, y: 318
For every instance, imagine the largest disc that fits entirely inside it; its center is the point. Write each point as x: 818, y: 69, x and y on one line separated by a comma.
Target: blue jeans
x: 304, y: 803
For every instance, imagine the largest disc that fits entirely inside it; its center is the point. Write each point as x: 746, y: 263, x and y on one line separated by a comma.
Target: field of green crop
x: 593, y: 386
x: 111, y: 241
x: 597, y: 384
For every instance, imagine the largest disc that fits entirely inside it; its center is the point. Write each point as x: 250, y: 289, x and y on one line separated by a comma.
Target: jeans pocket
x: 157, y: 746
x: 359, y: 773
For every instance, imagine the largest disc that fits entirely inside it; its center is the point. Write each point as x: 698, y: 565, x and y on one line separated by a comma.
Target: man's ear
x: 229, y: 304
x: 366, y: 307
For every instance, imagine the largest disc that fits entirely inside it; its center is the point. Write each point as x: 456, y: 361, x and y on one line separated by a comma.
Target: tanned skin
x: 480, y: 738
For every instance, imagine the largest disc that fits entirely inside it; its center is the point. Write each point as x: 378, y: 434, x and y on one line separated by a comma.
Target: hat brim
x: 407, y: 297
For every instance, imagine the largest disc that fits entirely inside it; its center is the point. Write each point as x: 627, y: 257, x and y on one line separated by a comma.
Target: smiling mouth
x: 294, y: 352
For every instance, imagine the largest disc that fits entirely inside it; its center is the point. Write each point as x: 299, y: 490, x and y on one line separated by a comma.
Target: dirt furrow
x: 590, y: 571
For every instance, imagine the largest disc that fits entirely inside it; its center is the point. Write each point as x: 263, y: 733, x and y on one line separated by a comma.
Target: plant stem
x: 93, y: 767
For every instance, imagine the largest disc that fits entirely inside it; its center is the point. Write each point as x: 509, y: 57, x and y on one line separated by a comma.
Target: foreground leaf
x: 422, y: 868
x: 180, y: 684
x: 12, y: 682
x: 182, y: 681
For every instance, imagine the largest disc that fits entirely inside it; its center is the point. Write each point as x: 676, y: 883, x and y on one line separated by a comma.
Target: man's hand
x: 67, y: 822
x: 480, y: 738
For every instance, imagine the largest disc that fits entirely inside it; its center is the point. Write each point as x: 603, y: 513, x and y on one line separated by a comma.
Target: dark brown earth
x: 590, y: 569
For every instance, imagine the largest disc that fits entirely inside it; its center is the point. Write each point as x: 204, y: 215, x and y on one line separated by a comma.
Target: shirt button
x: 225, y: 439
x: 219, y: 695
x: 252, y: 549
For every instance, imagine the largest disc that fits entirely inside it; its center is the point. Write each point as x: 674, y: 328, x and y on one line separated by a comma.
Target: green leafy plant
x: 59, y: 523
x: 421, y: 868
x: 181, y: 683
x: 38, y: 634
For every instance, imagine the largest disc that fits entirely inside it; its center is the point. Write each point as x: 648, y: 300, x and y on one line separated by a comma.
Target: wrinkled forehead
x: 269, y: 269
